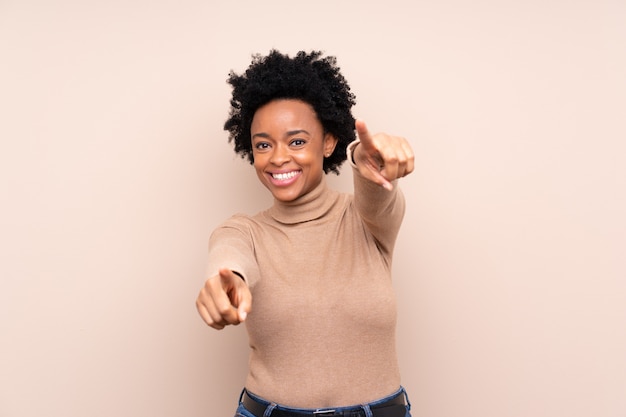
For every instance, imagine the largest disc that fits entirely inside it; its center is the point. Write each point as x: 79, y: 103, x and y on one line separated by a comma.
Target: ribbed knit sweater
x: 322, y: 325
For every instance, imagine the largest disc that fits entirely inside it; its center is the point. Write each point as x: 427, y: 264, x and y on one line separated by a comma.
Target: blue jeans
x: 243, y: 412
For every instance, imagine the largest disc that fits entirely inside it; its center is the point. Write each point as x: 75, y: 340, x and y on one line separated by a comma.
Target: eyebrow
x: 289, y: 133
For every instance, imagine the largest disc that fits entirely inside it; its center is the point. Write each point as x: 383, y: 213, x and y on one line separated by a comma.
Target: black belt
x: 395, y: 407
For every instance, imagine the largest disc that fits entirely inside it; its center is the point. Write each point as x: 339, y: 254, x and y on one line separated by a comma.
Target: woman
x: 311, y: 275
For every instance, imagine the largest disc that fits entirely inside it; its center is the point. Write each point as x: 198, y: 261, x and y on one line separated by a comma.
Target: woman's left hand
x: 382, y: 158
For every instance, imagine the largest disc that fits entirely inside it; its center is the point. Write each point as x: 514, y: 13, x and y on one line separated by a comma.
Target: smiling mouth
x: 284, y: 176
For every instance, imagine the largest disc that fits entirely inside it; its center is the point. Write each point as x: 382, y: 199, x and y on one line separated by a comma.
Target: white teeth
x: 285, y: 176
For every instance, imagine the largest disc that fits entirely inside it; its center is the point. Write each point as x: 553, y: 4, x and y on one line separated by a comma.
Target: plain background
x: 114, y: 168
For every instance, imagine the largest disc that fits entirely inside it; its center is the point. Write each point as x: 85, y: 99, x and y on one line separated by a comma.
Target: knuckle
x: 208, y: 285
x: 223, y: 309
x: 209, y: 320
x: 393, y: 159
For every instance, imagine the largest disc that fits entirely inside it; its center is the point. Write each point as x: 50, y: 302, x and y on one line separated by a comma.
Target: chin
x: 287, y: 195
x: 285, y: 198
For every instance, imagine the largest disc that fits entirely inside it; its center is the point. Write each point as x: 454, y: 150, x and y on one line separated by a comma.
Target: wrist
x: 350, y: 151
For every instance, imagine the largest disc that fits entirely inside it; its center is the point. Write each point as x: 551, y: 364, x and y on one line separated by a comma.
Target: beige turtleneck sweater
x: 322, y: 325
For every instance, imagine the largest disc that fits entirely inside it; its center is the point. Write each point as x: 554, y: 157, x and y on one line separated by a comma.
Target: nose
x: 280, y: 155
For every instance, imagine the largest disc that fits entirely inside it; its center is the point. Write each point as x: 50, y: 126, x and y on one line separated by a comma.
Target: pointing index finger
x: 363, y: 133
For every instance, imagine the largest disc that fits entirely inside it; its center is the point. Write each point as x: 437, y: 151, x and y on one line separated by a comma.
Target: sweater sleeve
x: 231, y: 246
x: 381, y: 210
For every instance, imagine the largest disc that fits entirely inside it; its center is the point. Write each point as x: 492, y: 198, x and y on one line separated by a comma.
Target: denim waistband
x: 381, y: 406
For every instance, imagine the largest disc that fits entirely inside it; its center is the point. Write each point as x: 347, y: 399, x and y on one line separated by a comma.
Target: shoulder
x: 238, y: 219
x: 243, y: 222
x: 239, y: 222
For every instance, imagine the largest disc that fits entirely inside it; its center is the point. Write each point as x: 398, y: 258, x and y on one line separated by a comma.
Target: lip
x: 284, y: 182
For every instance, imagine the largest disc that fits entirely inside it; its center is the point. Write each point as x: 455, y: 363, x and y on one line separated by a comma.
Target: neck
x: 310, y: 206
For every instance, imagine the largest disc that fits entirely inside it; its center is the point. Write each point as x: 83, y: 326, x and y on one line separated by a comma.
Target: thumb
x: 238, y: 294
x: 244, y: 304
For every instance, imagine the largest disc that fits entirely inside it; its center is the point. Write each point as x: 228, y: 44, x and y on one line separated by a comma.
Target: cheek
x: 309, y: 158
x: 258, y: 160
x: 259, y: 170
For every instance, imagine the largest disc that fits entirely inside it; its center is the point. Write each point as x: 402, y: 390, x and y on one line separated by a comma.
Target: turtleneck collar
x: 310, y: 206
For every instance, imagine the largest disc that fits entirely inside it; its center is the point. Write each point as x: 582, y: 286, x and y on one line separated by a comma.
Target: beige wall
x: 114, y: 168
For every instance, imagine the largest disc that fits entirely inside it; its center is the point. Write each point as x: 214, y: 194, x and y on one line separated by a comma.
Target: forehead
x: 287, y: 114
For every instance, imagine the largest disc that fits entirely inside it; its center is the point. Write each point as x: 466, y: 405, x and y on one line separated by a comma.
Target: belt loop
x: 367, y: 409
x: 243, y: 391
x: 406, y: 397
x: 269, y: 409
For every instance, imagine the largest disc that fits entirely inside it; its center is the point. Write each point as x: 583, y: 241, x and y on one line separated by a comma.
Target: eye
x: 261, y: 146
x: 298, y: 142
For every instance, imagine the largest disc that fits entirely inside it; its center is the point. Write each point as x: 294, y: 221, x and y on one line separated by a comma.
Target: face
x: 289, y: 146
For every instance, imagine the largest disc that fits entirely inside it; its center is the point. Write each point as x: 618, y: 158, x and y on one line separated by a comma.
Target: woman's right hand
x: 382, y: 158
x: 225, y: 299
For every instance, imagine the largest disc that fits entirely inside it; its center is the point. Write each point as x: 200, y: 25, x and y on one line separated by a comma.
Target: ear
x: 330, y: 141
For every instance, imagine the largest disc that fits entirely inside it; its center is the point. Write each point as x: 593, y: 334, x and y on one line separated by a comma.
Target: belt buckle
x: 324, y: 413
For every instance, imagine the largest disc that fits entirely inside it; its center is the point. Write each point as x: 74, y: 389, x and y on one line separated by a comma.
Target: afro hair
x: 308, y: 77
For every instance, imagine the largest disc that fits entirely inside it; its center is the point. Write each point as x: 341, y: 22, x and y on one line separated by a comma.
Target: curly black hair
x: 309, y: 77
